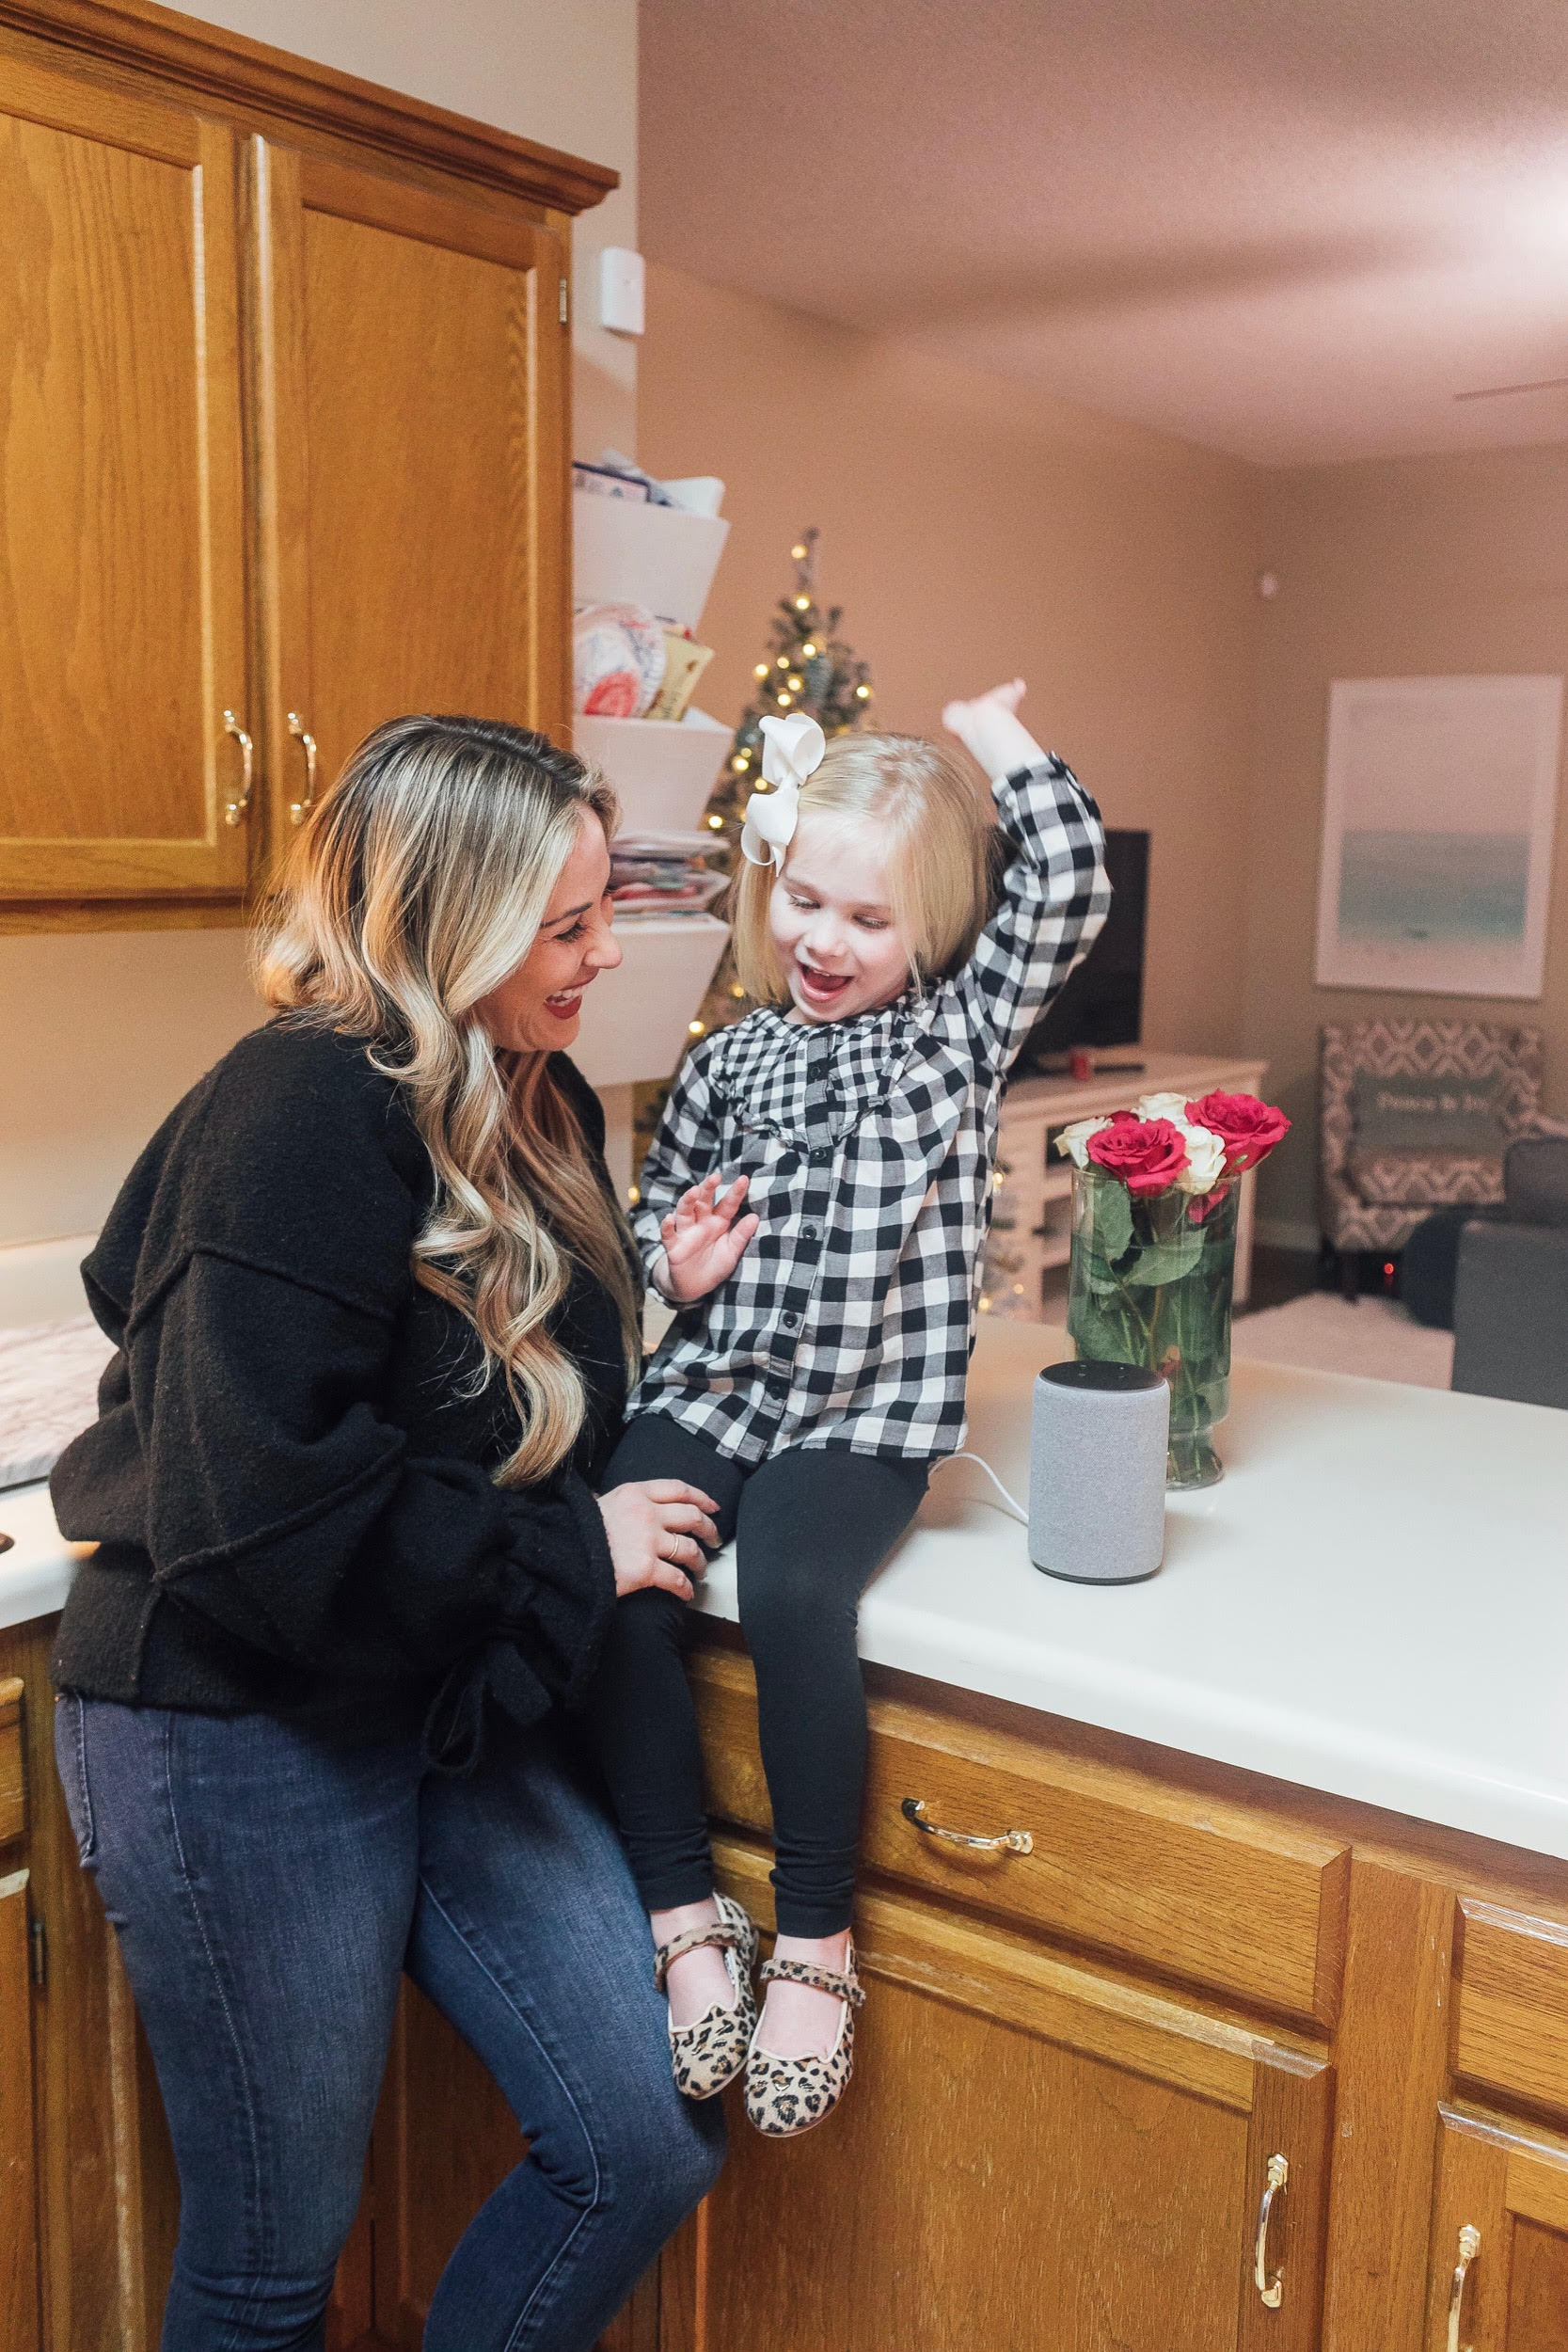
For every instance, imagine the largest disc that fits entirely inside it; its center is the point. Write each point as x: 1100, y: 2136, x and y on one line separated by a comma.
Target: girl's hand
x: 991, y: 729
x: 656, y: 1528
x: 702, y: 1241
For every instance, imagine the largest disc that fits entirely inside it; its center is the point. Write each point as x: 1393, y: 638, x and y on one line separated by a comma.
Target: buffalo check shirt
x: 869, y: 1145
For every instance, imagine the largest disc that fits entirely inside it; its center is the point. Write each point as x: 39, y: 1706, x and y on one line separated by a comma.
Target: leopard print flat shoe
x: 710, y: 2052
x: 788, y: 2095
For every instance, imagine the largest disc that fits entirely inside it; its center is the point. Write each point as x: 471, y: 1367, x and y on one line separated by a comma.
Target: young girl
x: 815, y: 1207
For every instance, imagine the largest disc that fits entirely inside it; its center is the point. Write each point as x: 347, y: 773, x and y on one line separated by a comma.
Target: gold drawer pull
x: 1271, y: 2292
x: 1008, y: 1841
x: 1470, y: 2246
x: 299, y: 810
x: 233, y: 810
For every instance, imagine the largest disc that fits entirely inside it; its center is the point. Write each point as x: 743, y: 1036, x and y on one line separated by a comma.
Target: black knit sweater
x: 290, y: 1488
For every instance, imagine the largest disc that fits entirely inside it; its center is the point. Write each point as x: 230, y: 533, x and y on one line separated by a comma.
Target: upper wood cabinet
x: 122, y: 636
x: 284, y: 446
x: 414, y: 401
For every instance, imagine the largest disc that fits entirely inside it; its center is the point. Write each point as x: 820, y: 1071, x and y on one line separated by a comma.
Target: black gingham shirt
x: 869, y: 1144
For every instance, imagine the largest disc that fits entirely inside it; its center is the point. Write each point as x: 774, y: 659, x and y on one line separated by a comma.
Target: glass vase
x: 1150, y: 1284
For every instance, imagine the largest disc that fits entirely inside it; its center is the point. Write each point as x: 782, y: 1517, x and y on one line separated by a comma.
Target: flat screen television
x: 1103, y: 1002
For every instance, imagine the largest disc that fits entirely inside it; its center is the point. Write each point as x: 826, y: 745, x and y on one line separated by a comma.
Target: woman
x: 375, y: 1312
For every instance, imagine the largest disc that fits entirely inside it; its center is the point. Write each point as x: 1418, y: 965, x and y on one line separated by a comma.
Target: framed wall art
x: 1439, y: 795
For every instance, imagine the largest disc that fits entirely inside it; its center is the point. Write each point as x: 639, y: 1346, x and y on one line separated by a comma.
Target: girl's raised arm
x: 1055, y: 892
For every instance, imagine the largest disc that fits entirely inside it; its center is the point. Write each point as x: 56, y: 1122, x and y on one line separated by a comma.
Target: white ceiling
x: 1292, y: 229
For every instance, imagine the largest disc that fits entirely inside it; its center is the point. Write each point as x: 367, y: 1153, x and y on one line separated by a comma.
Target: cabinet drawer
x: 12, y: 1793
x: 1510, y: 2026
x: 1212, y: 1892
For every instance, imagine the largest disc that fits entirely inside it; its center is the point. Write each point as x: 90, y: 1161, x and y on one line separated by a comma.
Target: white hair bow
x: 792, y: 750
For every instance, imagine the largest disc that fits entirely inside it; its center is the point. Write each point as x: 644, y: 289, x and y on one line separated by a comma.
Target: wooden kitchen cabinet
x: 87, y: 2200
x: 122, y: 590
x: 1499, y: 2239
x: 1074, y: 2069
x: 284, y: 449
x: 1035, y: 2154
x: 21, y: 2273
x: 1041, y: 2147
x: 414, y: 387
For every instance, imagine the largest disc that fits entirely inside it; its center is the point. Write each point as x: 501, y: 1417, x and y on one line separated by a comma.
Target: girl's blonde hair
x: 924, y: 801
x: 419, y: 883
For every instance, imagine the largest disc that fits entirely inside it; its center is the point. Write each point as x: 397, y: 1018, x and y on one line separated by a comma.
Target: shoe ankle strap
x: 841, y: 1982
x: 726, y: 1933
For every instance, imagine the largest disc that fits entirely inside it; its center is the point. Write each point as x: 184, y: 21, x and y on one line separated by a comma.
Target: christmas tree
x: 808, y: 668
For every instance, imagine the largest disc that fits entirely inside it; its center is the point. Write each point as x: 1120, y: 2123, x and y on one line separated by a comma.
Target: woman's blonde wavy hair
x: 417, y: 885
x: 923, y: 800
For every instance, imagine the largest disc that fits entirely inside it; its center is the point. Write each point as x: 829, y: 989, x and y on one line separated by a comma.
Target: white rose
x: 1205, y: 1157
x: 1074, y: 1140
x: 1171, y: 1107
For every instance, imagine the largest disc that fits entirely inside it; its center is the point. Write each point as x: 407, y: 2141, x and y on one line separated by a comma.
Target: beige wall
x: 102, y: 1033
x: 972, y: 528
x: 1413, y: 567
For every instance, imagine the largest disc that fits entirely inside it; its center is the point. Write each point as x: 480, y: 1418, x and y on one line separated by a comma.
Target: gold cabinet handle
x: 1271, y: 2292
x: 1008, y: 1841
x: 299, y: 810
x: 234, y: 810
x: 1470, y: 2246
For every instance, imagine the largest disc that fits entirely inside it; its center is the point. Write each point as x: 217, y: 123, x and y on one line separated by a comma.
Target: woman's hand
x: 702, y: 1241
x: 991, y: 729
x: 657, y: 1527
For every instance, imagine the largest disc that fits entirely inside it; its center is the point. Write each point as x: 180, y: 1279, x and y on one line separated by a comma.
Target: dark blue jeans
x: 268, y: 1886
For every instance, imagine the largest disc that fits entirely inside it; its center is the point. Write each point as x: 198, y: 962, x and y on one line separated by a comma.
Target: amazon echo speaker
x: 1097, y: 1473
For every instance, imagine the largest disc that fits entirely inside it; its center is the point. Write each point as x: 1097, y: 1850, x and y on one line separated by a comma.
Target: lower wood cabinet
x: 88, y: 2203
x: 1034, y: 2154
x: 20, y: 2277
x: 1234, y: 2069
x: 1499, y: 2239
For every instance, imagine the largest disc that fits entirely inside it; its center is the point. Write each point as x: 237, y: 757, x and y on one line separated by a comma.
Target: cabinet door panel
x: 1512, y: 2017
x: 1031, y: 2158
x: 1512, y: 2191
x: 444, y: 2139
x: 19, y: 2220
x: 121, y: 589
x: 415, y: 367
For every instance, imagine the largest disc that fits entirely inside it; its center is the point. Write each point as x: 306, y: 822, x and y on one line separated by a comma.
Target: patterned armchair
x: 1468, y: 1084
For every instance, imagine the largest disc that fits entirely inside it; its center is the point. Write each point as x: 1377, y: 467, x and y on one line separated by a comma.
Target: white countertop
x: 34, y: 1575
x: 1374, y: 1601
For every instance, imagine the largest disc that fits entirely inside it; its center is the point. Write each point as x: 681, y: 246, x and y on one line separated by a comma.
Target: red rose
x: 1249, y: 1129
x: 1147, y: 1153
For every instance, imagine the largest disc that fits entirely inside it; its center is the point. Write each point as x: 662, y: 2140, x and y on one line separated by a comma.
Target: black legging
x: 811, y: 1526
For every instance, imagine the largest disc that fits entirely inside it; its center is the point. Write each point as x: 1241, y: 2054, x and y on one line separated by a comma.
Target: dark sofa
x: 1510, y: 1296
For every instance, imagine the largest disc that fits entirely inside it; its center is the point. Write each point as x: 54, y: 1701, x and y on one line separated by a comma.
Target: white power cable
x: 1009, y: 1501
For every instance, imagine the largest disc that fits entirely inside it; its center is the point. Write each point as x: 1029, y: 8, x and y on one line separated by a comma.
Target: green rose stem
x: 1149, y: 1286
